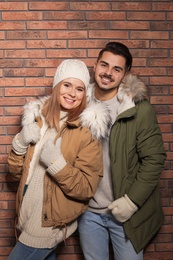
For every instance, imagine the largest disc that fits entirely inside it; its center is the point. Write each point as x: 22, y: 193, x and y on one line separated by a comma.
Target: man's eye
x: 117, y: 70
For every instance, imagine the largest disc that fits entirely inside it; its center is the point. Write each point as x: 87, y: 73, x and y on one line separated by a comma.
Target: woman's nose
x: 72, y: 92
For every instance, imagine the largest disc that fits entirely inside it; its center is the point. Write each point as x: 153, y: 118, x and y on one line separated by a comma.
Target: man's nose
x: 108, y: 71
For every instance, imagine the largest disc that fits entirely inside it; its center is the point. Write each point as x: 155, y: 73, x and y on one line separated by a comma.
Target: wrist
x: 57, y: 165
x: 131, y: 203
x: 17, y: 145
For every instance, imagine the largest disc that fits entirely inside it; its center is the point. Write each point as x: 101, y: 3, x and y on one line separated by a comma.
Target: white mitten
x: 123, y: 208
x: 52, y: 157
x: 29, y: 134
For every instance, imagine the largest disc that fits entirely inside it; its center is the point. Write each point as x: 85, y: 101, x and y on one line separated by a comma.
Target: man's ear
x: 94, y: 68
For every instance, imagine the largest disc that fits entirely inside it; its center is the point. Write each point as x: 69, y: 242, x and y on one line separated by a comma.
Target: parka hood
x: 95, y: 117
x: 133, y: 87
x: 131, y: 91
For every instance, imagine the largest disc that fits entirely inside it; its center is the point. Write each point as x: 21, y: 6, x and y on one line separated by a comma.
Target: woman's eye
x: 80, y: 89
x: 66, y: 85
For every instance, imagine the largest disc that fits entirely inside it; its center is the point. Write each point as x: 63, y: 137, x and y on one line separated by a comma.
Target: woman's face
x: 72, y: 92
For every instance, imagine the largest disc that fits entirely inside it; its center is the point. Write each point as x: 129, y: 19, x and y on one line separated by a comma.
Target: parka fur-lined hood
x: 131, y: 91
x: 95, y: 117
x: 134, y: 87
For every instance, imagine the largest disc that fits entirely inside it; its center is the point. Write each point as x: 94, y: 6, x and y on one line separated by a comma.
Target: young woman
x: 57, y: 157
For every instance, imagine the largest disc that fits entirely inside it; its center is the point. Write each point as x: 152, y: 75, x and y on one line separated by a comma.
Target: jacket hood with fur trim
x: 96, y: 117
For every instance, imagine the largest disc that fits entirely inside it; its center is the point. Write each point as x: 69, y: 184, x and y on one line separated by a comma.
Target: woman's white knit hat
x: 72, y: 68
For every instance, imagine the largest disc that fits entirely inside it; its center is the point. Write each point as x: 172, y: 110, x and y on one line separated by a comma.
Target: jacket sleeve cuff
x: 17, y: 147
x: 57, y: 165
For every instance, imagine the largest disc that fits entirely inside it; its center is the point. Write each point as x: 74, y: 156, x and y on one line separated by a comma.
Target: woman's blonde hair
x: 52, y: 107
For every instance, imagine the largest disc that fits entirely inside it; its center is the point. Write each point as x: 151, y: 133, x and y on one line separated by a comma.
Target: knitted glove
x: 123, y: 208
x: 52, y: 157
x: 29, y: 134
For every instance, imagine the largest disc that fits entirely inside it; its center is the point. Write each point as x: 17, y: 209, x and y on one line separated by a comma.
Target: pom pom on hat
x: 72, y: 68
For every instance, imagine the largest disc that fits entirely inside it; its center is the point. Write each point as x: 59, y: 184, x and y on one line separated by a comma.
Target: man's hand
x: 123, y: 208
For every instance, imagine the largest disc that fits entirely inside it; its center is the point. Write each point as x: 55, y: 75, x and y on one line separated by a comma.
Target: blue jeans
x: 23, y: 252
x: 95, y: 230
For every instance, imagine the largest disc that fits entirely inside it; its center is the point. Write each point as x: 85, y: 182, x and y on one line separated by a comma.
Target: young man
x: 126, y: 207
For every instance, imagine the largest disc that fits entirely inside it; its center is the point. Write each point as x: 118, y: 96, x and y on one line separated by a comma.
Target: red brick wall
x: 35, y: 36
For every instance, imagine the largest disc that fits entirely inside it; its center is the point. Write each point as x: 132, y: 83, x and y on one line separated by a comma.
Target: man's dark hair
x: 118, y: 48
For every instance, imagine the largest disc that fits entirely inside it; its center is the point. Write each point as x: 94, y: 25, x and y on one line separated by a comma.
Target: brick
x: 158, y: 90
x: 12, y: 44
x: 12, y: 82
x: 13, y: 6
x: 22, y: 16
x: 12, y: 130
x: 150, y: 71
x: 146, y: 16
x: 164, y: 247
x: 46, y: 44
x: 104, y: 25
x: 165, y: 118
x: 126, y: 6
x: 66, y: 53
x: 11, y: 101
x: 159, y: 62
x: 164, y: 26
x: 11, y: 63
x: 92, y: 16
x: 90, y: 6
x: 108, y: 34
x: 158, y: 256
x: 24, y: 92
x: 47, y: 25
x: 169, y: 154
x: 38, y: 82
x: 149, y: 35
x: 60, y: 34
x: 12, y: 26
x: 60, y: 16
x: 23, y: 72
x: 2, y: 149
x: 8, y: 111
x: 161, y: 44
x: 25, y: 35
x: 4, y: 140
x: 35, y: 63
x: 161, y: 100
x: 161, y: 80
x: 86, y: 44
x: 2, y: 35
x: 25, y: 54
x: 165, y: 128
x: 48, y: 6
x: 162, y: 7
x: 126, y: 25
x: 169, y: 16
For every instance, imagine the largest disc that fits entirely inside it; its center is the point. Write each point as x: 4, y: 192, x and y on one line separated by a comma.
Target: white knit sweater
x: 32, y: 232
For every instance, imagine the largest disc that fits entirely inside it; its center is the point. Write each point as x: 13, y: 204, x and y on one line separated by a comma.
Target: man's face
x: 109, y: 72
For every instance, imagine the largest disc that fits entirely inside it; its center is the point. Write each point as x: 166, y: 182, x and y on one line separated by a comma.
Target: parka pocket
x: 144, y: 213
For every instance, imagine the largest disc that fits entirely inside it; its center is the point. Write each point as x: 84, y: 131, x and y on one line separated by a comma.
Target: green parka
x: 137, y: 159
